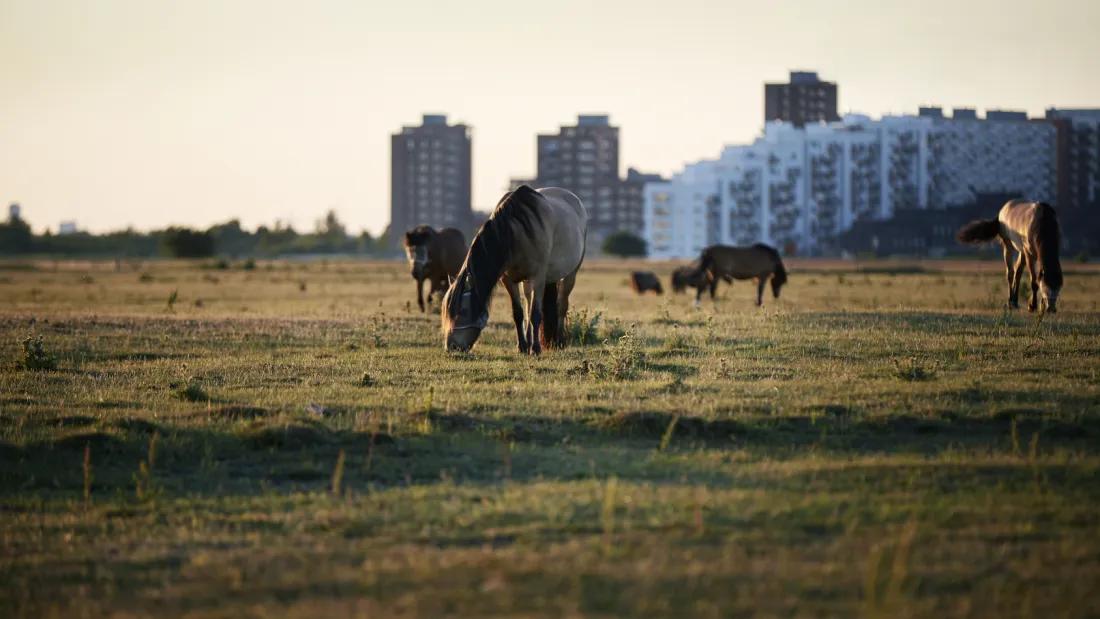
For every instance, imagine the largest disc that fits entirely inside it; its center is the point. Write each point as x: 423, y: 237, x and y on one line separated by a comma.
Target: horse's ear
x: 450, y: 280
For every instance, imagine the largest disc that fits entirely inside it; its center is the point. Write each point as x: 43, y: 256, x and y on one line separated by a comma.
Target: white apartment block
x: 798, y: 188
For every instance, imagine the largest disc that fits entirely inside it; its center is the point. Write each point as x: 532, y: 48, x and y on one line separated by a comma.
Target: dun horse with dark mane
x: 1032, y: 229
x: 534, y: 237
x: 434, y: 256
x: 760, y: 262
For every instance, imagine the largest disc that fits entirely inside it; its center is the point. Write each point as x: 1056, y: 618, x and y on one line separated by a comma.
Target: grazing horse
x: 1032, y: 229
x: 644, y: 281
x: 757, y: 262
x: 534, y: 237
x: 434, y: 256
x: 693, y: 276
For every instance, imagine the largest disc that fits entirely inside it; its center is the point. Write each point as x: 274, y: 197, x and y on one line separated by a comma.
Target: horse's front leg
x: 1033, y: 302
x: 517, y: 315
x: 536, y: 286
x: 699, y: 295
x: 420, y: 293
x: 760, y: 283
x: 1014, y: 283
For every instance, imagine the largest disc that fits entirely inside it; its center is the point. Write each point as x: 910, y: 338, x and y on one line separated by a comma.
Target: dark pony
x: 435, y: 256
x: 645, y: 281
x: 759, y: 261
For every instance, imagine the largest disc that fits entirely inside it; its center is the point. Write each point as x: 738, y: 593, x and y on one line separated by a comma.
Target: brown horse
x: 1032, y: 229
x: 759, y: 262
x: 694, y: 277
x: 645, y: 281
x: 434, y: 256
x: 534, y: 237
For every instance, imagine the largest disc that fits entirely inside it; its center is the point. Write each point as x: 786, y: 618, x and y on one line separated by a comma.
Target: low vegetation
x: 875, y: 444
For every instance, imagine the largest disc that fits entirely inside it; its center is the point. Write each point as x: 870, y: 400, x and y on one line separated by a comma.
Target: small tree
x: 187, y: 243
x: 624, y: 245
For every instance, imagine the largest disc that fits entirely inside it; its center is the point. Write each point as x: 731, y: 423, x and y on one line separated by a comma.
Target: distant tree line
x: 329, y: 236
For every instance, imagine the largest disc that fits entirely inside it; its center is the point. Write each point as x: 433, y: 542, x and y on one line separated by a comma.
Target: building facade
x: 798, y: 189
x: 1078, y: 156
x: 584, y: 158
x: 430, y: 176
x: 804, y: 99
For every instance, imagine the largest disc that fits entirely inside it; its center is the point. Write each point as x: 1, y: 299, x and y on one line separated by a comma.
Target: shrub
x: 33, y: 357
x: 624, y: 245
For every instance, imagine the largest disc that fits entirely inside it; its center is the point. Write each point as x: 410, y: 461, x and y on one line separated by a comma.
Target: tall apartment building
x: 430, y: 177
x: 584, y: 158
x: 804, y: 99
x: 1078, y: 156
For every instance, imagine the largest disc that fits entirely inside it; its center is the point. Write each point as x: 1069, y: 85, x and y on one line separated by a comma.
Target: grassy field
x: 292, y: 441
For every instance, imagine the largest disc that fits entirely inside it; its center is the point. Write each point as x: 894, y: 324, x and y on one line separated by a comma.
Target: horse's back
x: 569, y: 232
x: 743, y: 262
x: 567, y: 202
x: 451, y: 244
x: 1016, y: 218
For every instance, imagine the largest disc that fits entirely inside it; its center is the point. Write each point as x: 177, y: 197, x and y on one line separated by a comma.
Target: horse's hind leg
x: 565, y: 287
x: 420, y: 293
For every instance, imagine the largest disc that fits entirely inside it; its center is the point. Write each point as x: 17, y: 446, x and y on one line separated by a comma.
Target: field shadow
x: 246, y: 450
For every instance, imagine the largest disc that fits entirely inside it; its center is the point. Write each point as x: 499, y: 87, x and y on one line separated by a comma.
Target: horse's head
x: 464, y: 314
x: 1050, y: 285
x: 777, y: 283
x: 678, y: 283
x: 418, y: 258
x: 416, y: 249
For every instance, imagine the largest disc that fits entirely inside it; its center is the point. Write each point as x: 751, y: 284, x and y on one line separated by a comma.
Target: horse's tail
x: 548, y: 333
x: 979, y: 231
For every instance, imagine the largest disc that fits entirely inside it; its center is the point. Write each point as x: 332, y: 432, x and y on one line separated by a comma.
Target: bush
x: 34, y: 357
x: 187, y: 243
x: 624, y: 245
x: 1082, y: 257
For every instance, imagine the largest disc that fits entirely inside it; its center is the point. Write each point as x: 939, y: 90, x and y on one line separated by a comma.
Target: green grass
x: 873, y: 444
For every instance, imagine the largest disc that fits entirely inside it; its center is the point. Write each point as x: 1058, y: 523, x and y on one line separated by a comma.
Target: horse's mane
x: 493, y: 243
x: 1047, y: 232
x: 418, y: 235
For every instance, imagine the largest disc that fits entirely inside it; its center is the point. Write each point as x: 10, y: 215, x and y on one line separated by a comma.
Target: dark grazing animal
x: 1033, y: 231
x: 536, y: 238
x: 692, y: 276
x: 434, y: 256
x: 645, y: 281
x: 760, y: 262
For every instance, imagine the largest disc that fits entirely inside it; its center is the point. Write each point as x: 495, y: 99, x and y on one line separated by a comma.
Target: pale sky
x: 158, y: 112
